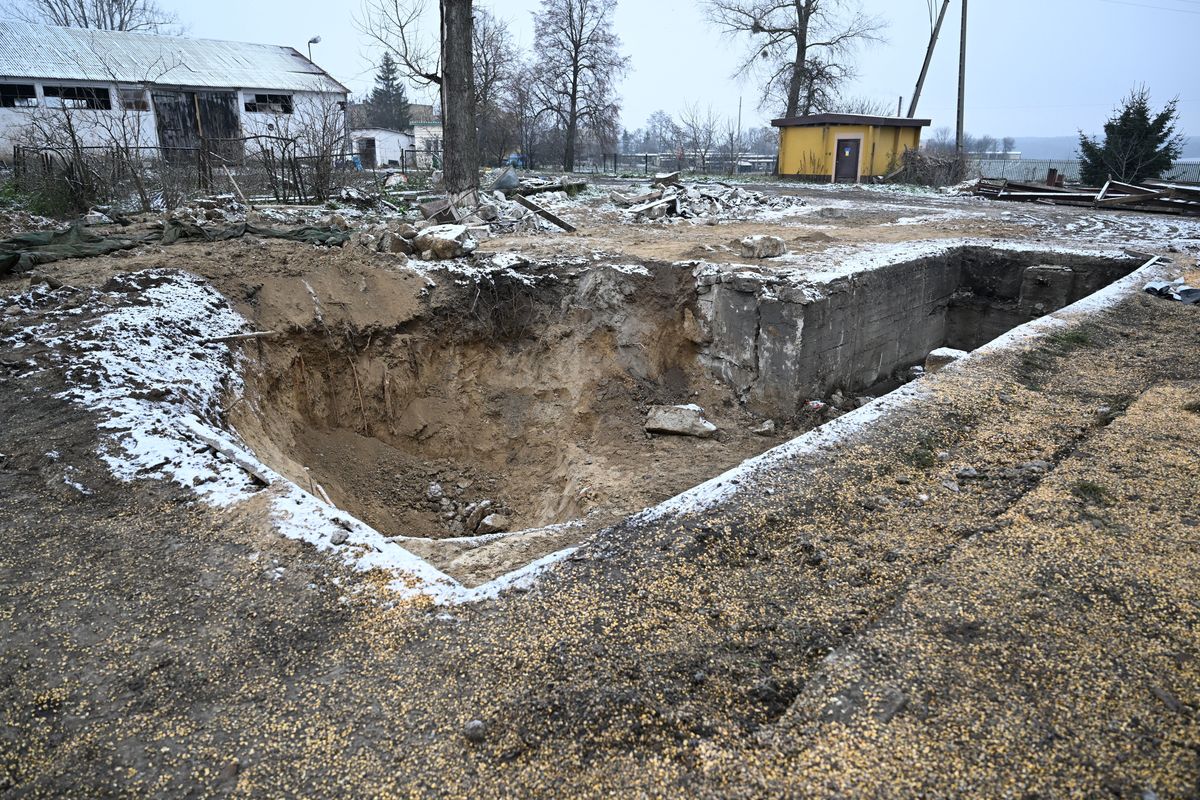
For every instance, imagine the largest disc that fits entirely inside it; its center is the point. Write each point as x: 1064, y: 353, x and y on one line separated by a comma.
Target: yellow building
x: 844, y: 148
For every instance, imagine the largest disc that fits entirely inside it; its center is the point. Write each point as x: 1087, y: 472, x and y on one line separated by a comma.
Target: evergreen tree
x: 388, y: 103
x: 1138, y: 145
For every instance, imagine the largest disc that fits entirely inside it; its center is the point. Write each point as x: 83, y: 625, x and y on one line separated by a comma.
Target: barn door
x: 175, y: 116
x: 220, y: 123
x: 187, y: 119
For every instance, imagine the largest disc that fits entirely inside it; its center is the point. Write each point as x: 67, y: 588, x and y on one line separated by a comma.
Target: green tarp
x: 24, y: 252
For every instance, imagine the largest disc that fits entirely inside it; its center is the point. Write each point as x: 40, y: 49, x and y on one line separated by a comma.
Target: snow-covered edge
x: 738, y: 479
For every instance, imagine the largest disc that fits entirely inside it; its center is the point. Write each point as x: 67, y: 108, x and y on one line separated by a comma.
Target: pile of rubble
x: 424, y: 240
x: 707, y: 202
x: 221, y: 209
x: 467, y: 519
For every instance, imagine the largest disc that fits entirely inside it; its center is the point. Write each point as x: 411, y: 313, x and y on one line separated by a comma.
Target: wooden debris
x: 543, y: 213
x: 1153, y: 196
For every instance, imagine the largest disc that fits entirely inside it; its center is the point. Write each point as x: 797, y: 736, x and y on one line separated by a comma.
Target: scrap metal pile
x: 707, y: 202
x: 1157, y: 196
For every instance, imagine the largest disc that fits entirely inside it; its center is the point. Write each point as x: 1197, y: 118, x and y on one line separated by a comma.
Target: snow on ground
x: 140, y: 354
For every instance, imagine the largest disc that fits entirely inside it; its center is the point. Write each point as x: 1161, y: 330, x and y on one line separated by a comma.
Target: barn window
x: 17, y: 95
x: 270, y: 104
x: 77, y: 97
x: 134, y: 100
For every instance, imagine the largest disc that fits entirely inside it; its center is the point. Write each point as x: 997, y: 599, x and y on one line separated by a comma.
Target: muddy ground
x: 992, y: 594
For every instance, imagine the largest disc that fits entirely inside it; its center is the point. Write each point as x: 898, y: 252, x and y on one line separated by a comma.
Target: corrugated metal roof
x: 45, y: 51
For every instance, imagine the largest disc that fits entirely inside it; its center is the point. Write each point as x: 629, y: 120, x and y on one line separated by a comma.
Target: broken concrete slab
x: 761, y: 247
x: 445, y: 241
x: 683, y: 420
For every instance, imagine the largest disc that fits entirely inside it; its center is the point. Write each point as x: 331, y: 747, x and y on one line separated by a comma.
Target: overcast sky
x: 1035, y: 67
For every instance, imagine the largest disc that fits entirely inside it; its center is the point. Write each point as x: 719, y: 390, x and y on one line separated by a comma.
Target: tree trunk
x: 460, y: 140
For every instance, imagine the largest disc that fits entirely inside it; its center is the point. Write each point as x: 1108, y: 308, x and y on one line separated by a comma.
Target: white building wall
x: 92, y: 127
x: 314, y: 114
x: 390, y: 146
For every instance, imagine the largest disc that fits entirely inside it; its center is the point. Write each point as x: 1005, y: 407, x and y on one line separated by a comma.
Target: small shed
x: 844, y: 148
x: 382, y: 147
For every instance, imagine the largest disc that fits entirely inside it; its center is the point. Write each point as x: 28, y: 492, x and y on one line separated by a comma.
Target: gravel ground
x: 992, y: 593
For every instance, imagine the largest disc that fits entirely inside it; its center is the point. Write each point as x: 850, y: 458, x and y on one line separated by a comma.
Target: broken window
x: 134, y: 100
x: 17, y: 95
x: 77, y: 97
x: 270, y: 104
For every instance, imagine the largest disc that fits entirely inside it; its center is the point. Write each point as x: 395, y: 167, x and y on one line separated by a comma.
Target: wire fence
x: 67, y: 180
x: 1034, y: 170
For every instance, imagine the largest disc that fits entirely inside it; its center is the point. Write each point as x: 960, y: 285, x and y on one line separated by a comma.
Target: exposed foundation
x: 779, y: 344
x: 506, y: 421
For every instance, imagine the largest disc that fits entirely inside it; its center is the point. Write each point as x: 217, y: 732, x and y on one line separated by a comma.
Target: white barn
x: 159, y: 91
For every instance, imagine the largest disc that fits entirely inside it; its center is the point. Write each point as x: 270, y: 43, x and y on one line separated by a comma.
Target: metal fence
x: 69, y: 180
x: 1033, y: 170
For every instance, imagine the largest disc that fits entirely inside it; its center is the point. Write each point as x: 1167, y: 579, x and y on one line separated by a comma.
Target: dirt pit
x: 503, y: 423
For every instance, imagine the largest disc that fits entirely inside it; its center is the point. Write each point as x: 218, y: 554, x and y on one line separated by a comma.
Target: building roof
x: 50, y: 52
x: 849, y: 119
x: 376, y: 129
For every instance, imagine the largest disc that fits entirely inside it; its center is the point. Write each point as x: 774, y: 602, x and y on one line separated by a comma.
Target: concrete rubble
x: 682, y: 420
x: 761, y: 247
x: 707, y: 202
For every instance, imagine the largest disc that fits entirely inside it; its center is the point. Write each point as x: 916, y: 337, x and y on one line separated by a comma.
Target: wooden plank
x: 1128, y: 199
x: 544, y: 214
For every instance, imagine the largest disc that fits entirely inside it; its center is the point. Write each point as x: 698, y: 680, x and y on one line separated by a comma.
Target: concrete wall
x: 810, y: 151
x: 779, y: 344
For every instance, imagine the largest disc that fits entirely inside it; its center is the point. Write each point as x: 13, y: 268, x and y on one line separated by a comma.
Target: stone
x: 407, y: 230
x: 767, y: 428
x: 761, y: 247
x: 967, y: 474
x: 339, y: 537
x: 394, y: 243
x: 683, y: 420
x: 12, y: 311
x: 475, y: 731
x: 696, y: 329
x: 435, y: 492
x: 943, y: 357
x: 476, y: 512
x: 445, y: 241
x: 493, y: 523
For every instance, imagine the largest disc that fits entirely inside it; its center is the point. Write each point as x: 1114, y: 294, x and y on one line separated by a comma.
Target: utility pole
x: 962, y: 80
x: 937, y: 29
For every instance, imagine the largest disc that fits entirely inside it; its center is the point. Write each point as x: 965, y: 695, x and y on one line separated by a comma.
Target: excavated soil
x: 516, y: 396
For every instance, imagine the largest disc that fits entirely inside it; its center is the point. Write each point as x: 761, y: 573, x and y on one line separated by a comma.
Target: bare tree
x: 662, y: 132
x: 578, y: 64
x: 495, y: 61
x: 701, y: 129
x: 395, y: 25
x: 529, y: 123
x: 111, y: 15
x: 732, y: 143
x: 862, y: 105
x: 800, y: 49
x: 1007, y: 144
x: 448, y: 64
